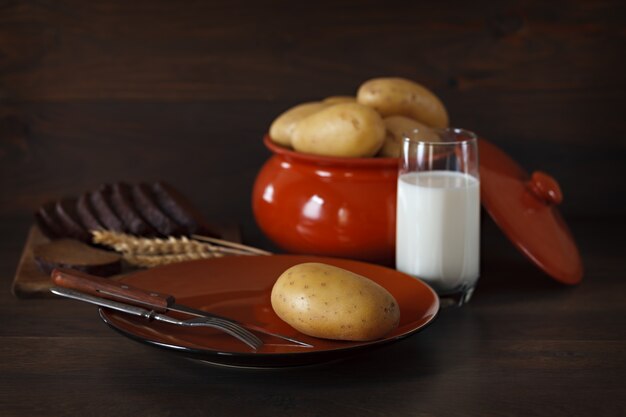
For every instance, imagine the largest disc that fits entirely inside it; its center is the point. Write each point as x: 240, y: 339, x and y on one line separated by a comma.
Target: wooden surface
x: 100, y: 91
x: 31, y: 282
x: 29, y: 279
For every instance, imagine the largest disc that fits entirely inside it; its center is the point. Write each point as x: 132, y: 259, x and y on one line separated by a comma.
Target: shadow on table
x: 511, y: 281
x: 508, y: 277
x: 420, y: 356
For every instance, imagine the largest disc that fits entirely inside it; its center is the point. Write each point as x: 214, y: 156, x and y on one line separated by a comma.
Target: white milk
x: 437, y: 229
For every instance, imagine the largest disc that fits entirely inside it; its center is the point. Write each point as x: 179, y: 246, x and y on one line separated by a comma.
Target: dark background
x: 100, y: 91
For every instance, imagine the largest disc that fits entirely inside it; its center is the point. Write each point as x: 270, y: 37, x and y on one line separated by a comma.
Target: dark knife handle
x: 111, y: 289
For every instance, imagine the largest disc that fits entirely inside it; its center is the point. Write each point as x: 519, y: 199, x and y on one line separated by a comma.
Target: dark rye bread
x: 70, y: 253
x: 101, y: 202
x: 124, y: 205
x: 179, y: 208
x: 141, y: 209
x: 148, y: 207
x: 68, y: 216
x: 48, y: 221
x: 87, y: 214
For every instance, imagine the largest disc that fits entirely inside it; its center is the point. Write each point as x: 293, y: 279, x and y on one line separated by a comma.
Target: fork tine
x: 250, y: 338
x: 234, y: 330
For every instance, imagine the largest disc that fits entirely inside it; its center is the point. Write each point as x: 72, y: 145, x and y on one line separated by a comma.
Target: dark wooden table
x: 101, y: 91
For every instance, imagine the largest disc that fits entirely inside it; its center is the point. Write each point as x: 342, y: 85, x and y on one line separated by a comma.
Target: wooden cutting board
x: 31, y: 282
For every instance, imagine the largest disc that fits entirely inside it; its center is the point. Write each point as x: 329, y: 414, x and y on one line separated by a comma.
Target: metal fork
x: 226, y: 326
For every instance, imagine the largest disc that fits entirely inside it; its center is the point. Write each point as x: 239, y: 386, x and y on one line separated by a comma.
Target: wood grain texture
x: 524, y: 346
x: 110, y: 289
x: 106, y: 91
x: 32, y: 282
x: 242, y: 50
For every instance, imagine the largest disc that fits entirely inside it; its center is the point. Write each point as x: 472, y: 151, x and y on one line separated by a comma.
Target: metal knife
x: 119, y: 291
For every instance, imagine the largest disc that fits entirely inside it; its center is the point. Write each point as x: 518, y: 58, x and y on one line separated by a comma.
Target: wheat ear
x: 141, y: 251
x: 149, y: 261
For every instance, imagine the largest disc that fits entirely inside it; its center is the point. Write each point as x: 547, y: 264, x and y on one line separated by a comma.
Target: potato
x: 397, y: 126
x: 344, y: 130
x: 325, y: 301
x: 398, y: 96
x: 339, y: 99
x: 282, y: 127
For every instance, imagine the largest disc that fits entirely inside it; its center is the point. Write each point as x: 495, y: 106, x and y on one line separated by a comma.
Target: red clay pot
x: 340, y: 207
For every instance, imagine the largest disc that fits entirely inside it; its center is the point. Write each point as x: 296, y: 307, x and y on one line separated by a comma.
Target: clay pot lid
x: 525, y: 208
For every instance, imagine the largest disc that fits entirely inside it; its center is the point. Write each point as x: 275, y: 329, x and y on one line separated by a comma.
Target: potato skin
x: 398, y: 96
x: 396, y: 127
x: 349, y: 130
x: 325, y: 301
x: 282, y: 127
x: 339, y: 99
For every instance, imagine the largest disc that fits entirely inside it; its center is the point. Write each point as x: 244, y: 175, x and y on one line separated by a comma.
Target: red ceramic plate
x: 240, y: 287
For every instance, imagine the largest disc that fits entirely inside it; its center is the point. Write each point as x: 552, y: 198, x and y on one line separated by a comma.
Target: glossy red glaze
x: 340, y: 207
x: 241, y: 290
x: 525, y: 208
x: 545, y: 187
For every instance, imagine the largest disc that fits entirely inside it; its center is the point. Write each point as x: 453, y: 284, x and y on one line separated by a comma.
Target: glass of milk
x: 438, y: 211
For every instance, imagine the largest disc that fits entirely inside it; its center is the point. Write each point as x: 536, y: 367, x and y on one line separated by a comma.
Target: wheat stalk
x: 148, y: 252
x: 231, y: 244
x: 149, y: 261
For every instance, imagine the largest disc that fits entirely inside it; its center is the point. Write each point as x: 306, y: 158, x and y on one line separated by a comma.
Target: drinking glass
x: 438, y: 211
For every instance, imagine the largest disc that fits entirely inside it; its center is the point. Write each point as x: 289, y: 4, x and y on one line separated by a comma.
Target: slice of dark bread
x: 147, y: 205
x: 87, y: 214
x: 48, y: 221
x: 70, y: 253
x: 101, y: 203
x: 68, y: 215
x: 124, y: 206
x: 179, y: 208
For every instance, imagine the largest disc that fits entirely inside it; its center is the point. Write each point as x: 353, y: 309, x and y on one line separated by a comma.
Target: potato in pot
x: 325, y: 301
x: 398, y: 96
x: 397, y: 127
x: 344, y: 130
x: 282, y: 127
x: 339, y: 99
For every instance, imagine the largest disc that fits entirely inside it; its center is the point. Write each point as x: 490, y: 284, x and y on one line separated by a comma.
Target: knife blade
x: 159, y: 302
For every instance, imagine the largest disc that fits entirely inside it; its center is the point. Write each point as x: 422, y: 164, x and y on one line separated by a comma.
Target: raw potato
x: 339, y: 99
x: 325, y: 301
x: 397, y: 126
x: 346, y: 130
x: 281, y: 129
x: 398, y: 96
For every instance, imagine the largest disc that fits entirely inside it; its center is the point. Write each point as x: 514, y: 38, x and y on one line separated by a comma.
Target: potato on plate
x: 325, y: 301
